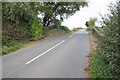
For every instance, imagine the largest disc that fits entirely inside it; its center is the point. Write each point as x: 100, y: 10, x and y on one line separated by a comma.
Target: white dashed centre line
x: 71, y: 35
x: 45, y: 52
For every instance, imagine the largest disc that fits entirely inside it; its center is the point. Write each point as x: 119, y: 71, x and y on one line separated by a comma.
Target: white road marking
x: 45, y: 52
x: 71, y: 35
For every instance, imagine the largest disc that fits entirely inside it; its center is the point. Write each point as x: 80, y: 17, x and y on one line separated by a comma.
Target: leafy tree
x: 21, y: 15
x: 87, y: 24
x: 20, y: 18
x: 91, y: 23
x: 53, y: 10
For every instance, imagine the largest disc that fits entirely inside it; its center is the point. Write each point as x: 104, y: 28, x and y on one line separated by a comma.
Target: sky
x: 94, y: 9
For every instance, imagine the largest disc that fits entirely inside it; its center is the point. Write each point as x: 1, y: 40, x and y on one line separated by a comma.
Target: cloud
x: 80, y: 17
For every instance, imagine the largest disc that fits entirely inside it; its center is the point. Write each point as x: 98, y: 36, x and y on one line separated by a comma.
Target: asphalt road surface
x: 64, y: 56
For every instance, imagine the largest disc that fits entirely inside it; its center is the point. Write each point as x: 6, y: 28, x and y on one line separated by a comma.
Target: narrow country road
x: 64, y: 56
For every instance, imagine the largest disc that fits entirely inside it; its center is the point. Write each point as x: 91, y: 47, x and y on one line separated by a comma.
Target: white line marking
x: 71, y: 35
x: 45, y: 52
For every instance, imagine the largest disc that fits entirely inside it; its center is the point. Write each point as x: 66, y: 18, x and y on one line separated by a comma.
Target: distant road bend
x: 63, y: 56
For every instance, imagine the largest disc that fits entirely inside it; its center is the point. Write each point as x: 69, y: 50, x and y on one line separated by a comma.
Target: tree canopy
x: 20, y: 19
x: 92, y: 21
x: 59, y: 10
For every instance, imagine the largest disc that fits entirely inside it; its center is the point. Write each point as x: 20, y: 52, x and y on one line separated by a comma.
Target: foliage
x: 20, y: 21
x: 57, y: 23
x: 44, y: 30
x: 17, y: 16
x: 59, y: 10
x: 36, y: 29
x: 20, y: 13
x: 23, y: 15
x: 89, y: 31
x: 106, y: 62
x: 65, y: 28
x: 91, y: 23
x: 5, y: 41
x: 12, y: 47
x: 87, y: 24
x: 75, y: 30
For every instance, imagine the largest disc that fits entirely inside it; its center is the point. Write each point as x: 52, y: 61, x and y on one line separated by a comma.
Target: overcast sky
x: 95, y: 8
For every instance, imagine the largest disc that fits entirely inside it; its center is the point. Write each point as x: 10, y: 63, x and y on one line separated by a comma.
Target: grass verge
x: 8, y: 49
x: 99, y: 68
x: 13, y: 46
x: 96, y: 63
x: 87, y: 69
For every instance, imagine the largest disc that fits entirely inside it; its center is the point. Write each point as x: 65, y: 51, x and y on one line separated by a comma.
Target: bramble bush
x: 106, y: 60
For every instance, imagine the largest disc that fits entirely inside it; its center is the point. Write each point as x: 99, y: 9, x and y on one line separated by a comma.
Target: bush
x: 65, y: 28
x: 17, y: 19
x: 44, y: 30
x: 14, y: 46
x: 36, y: 29
x: 5, y: 40
x: 106, y: 61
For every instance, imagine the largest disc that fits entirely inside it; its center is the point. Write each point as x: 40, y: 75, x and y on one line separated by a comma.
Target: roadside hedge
x: 106, y: 60
x: 65, y: 28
